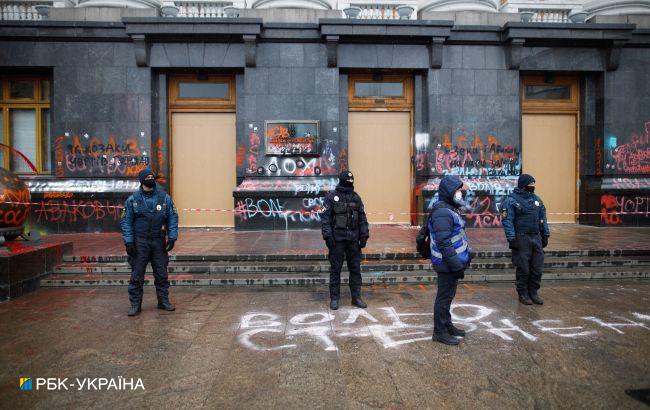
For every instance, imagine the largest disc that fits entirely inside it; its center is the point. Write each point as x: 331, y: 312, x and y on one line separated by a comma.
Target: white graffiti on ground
x: 267, y: 331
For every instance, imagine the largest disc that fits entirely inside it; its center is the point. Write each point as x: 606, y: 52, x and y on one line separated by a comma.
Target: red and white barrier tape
x: 289, y: 211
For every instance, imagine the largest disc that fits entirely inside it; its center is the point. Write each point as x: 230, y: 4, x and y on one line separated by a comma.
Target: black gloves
x: 460, y: 274
x: 363, y: 242
x: 512, y: 245
x: 131, y: 250
x: 170, y: 244
x: 330, y: 242
x: 544, y: 241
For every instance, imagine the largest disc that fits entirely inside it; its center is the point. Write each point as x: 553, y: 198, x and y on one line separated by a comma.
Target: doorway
x: 379, y: 145
x: 549, y: 142
x: 202, y: 147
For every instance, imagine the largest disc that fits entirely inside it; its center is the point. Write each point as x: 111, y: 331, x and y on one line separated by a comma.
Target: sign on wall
x: 291, y: 137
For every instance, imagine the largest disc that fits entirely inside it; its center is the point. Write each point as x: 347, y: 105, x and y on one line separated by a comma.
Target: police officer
x: 149, y: 229
x: 526, y: 228
x: 345, y: 231
x: 450, y: 255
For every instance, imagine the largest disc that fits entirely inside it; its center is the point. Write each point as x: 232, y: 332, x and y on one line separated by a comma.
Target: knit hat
x: 525, y: 180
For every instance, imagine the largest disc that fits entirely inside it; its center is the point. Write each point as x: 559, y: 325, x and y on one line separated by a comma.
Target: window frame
x: 226, y: 104
x: 38, y: 105
x: 380, y: 102
x: 539, y: 105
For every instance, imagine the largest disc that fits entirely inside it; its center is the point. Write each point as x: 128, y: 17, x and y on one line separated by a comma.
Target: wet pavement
x: 383, y: 239
x: 282, y: 348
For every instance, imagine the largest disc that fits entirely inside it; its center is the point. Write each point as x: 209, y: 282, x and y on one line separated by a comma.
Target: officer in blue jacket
x: 524, y: 222
x: 450, y: 255
x: 345, y: 231
x: 149, y: 229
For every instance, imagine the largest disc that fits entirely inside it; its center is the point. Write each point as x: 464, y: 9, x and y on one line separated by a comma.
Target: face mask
x: 149, y: 183
x: 530, y: 188
x: 458, y: 198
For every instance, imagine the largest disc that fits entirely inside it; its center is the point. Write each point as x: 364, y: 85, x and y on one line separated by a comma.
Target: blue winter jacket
x: 148, y: 216
x: 450, y: 252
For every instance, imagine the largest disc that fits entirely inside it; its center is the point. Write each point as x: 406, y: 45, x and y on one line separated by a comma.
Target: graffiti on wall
x: 292, y: 138
x: 72, y: 211
x: 619, y: 209
x: 478, y: 156
x: 484, y: 198
x: 97, y: 156
x: 295, y: 187
x: 297, y: 165
x: 278, y: 213
x: 631, y: 157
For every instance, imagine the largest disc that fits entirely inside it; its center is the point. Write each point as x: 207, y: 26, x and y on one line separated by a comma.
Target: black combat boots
x: 445, y: 338
x: 165, y: 305
x: 454, y: 331
x: 135, y: 309
x: 356, y: 301
x: 536, y: 299
x: 525, y: 300
x: 334, y: 304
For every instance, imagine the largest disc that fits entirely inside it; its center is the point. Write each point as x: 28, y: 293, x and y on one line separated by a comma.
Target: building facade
x: 248, y: 121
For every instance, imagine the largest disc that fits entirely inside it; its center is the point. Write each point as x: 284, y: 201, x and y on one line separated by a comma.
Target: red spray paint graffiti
x: 632, y: 157
x: 615, y: 208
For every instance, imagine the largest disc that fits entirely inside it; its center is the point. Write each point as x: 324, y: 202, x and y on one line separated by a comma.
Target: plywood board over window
x: 380, y: 144
x: 550, y: 121
x: 25, y: 123
x: 202, y: 146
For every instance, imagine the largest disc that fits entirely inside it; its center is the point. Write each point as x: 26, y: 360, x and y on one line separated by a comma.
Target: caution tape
x: 289, y: 211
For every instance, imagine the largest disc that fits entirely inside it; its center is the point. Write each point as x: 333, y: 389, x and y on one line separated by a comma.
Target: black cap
x: 525, y: 180
x: 346, y: 179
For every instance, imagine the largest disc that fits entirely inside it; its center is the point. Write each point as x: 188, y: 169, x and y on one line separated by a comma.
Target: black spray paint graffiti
x: 484, y: 199
x: 266, y: 331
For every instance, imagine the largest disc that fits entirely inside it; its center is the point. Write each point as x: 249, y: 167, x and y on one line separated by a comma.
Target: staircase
x: 313, y: 269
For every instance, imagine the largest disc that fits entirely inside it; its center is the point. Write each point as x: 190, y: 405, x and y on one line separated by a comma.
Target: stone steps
x: 222, y: 267
x: 366, y: 256
x: 321, y: 278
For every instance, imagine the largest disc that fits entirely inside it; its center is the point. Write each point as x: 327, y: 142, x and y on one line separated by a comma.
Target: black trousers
x: 447, y: 284
x: 528, y: 258
x: 149, y: 251
x: 351, y: 252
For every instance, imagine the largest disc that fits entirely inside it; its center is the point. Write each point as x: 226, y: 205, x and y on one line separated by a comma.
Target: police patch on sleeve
x: 536, y: 203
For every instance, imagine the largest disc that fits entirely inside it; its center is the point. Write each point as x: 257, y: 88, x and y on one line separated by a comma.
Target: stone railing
x: 548, y: 15
x: 206, y: 9
x: 380, y: 10
x: 21, y: 10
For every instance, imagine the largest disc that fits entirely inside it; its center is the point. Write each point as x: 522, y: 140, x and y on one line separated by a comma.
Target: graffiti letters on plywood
x: 291, y: 137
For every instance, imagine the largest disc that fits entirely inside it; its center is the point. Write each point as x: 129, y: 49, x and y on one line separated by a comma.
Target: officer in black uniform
x: 149, y: 229
x: 345, y: 231
x: 524, y: 222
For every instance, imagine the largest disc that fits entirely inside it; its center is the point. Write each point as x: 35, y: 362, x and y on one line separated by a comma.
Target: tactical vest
x: 527, y: 215
x: 346, y: 213
x: 458, y: 240
x: 149, y: 223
